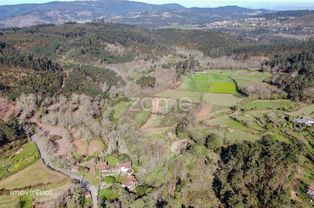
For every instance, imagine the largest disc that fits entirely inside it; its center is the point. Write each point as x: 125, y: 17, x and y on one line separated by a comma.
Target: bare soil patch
x: 7, y: 109
x: 204, y: 112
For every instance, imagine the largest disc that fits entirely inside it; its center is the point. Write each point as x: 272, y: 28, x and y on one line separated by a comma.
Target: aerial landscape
x: 126, y: 104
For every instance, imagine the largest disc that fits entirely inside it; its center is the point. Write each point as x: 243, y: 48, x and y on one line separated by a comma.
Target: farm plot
x: 195, y: 97
x: 36, y: 174
x: 306, y: 110
x: 18, y: 159
x: 214, y: 82
x: 9, y: 201
x: 269, y: 105
x: 226, y: 100
x: 244, y: 76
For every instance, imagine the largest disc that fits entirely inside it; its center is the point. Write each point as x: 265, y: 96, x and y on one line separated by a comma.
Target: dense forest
x: 294, y: 73
x: 256, y: 174
x: 10, y: 131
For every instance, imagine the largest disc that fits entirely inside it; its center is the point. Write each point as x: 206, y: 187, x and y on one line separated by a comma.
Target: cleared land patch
x: 181, y: 94
x: 227, y: 122
x: 89, y: 148
x: 214, y: 82
x: 19, y: 159
x: 152, y: 122
x: 141, y: 117
x: 306, y: 110
x: 120, y: 109
x: 245, y: 76
x: 238, y: 135
x: 35, y: 174
x: 226, y: 100
x: 204, y: 113
x: 7, y: 201
x: 269, y: 105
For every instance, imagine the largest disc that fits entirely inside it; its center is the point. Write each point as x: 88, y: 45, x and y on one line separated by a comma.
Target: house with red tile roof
x: 122, y: 168
x: 125, y: 167
x: 104, y: 168
x: 130, y: 182
x: 87, y: 195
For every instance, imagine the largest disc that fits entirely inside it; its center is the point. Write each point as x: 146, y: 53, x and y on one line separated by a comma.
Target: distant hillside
x: 121, y: 11
x: 306, y: 21
x: 188, y: 16
x: 287, y: 14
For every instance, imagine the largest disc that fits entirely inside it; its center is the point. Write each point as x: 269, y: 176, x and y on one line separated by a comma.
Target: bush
x: 10, y: 131
x: 109, y: 194
x: 109, y: 179
x: 146, y: 81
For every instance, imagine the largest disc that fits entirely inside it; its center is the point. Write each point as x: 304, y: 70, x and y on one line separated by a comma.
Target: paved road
x: 93, y: 190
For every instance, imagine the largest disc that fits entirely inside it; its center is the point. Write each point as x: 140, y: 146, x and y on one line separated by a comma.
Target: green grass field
x: 109, y: 194
x: 33, y: 175
x: 226, y: 100
x: 18, y: 159
x: 187, y: 83
x: 141, y: 117
x: 238, y: 135
x: 269, y: 105
x: 306, y: 110
x: 245, y: 76
x: 7, y: 201
x: 280, y: 138
x: 214, y: 82
x: 195, y: 97
x: 225, y: 121
x: 119, y: 109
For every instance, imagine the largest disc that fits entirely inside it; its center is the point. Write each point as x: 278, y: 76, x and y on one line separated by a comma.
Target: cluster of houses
x: 124, y: 169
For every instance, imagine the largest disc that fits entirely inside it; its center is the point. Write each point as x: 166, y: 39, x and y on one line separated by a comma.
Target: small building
x: 308, y: 121
x: 130, y: 182
x: 87, y: 195
x: 125, y: 167
x: 310, y: 192
x: 122, y: 168
x: 104, y: 168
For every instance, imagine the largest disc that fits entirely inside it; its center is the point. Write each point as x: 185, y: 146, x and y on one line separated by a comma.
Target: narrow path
x: 92, y: 189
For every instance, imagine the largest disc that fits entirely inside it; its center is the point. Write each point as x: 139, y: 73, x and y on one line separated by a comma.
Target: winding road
x: 41, y: 147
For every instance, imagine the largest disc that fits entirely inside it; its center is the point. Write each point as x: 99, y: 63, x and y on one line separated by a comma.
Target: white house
x: 305, y: 121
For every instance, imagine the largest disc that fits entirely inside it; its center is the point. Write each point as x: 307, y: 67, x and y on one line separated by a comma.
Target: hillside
x: 305, y: 21
x: 121, y: 11
x: 114, y: 115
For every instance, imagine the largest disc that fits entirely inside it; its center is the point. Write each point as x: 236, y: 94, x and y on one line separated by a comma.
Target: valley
x: 99, y: 114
